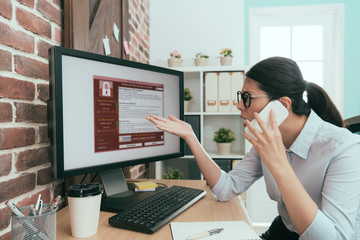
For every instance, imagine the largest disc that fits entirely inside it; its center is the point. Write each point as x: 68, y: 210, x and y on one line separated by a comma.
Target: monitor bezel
x: 55, y: 111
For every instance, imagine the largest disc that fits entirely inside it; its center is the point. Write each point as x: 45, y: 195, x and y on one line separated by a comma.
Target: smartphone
x: 281, y: 114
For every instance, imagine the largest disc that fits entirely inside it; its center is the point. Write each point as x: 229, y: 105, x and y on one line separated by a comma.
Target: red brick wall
x: 27, y: 29
x: 139, y: 22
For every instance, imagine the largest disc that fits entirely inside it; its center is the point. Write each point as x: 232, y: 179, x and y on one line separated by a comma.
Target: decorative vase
x: 174, y: 62
x: 201, y: 61
x: 223, y: 148
x: 186, y: 106
x: 226, y: 61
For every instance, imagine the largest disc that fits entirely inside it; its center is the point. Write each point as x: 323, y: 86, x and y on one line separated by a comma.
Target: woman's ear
x: 286, y: 101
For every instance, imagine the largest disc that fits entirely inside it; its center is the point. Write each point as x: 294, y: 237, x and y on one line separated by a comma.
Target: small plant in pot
x: 187, y: 98
x: 175, y: 59
x: 201, y: 59
x: 173, y: 174
x: 223, y: 138
x: 227, y: 56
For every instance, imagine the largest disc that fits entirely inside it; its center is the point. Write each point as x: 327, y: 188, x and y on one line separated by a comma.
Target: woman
x: 310, y: 163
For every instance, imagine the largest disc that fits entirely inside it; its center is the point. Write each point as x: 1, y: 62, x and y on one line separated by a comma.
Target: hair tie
x: 305, y: 98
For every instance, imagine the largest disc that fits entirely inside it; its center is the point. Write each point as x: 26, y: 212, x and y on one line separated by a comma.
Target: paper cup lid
x: 84, y: 190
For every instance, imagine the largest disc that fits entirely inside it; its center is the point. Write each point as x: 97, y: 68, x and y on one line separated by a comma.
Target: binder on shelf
x: 194, y: 171
x: 237, y: 80
x: 224, y: 91
x: 211, y: 92
x: 194, y: 121
x: 224, y: 164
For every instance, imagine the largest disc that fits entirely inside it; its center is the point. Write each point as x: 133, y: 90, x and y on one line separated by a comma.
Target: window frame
x: 330, y: 16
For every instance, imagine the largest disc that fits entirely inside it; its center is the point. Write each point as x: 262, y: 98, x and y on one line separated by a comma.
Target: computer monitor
x: 96, y: 113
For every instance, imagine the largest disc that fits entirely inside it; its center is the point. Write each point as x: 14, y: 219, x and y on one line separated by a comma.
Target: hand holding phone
x: 281, y: 114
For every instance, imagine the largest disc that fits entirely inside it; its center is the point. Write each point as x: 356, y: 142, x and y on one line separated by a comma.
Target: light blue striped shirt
x: 326, y: 159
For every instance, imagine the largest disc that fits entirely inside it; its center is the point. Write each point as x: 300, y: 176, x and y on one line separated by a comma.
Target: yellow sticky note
x: 144, y: 185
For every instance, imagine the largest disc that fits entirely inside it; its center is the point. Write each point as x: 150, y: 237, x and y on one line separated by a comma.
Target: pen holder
x: 39, y: 227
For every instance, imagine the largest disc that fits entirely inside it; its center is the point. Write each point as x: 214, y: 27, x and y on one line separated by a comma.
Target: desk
x: 207, y: 209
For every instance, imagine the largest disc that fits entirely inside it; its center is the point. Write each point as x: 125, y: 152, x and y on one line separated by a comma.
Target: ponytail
x: 279, y: 77
x: 320, y: 102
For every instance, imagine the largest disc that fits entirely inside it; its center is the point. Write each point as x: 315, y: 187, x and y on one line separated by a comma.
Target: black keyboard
x: 152, y: 213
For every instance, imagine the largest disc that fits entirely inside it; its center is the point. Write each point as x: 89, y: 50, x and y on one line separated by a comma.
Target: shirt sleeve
x: 336, y: 217
x: 240, y: 178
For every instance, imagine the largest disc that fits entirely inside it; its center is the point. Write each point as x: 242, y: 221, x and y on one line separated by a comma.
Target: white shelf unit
x: 211, y: 121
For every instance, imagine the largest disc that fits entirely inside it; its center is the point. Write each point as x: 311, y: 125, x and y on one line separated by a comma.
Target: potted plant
x: 187, y: 98
x: 201, y: 59
x: 227, y: 57
x: 175, y: 59
x: 223, y: 138
x: 173, y: 174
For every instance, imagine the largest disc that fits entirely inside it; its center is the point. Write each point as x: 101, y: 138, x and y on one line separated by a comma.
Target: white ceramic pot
x: 201, y: 61
x: 174, y: 62
x: 226, y: 61
x: 223, y: 148
x: 186, y: 106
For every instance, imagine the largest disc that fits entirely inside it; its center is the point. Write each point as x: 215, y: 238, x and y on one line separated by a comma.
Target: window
x: 310, y: 35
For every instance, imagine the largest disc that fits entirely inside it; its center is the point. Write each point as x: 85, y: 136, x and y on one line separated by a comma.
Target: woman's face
x: 257, y: 103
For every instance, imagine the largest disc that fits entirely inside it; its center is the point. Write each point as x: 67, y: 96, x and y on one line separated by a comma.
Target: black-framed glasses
x: 246, y: 97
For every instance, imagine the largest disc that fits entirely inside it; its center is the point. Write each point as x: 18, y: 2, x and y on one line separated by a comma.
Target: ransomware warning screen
x: 120, y: 107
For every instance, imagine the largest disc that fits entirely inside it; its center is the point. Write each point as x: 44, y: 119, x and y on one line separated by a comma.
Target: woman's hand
x: 173, y: 125
x: 269, y: 143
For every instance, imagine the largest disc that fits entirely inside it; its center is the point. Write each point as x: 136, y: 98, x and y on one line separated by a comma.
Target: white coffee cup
x: 84, y: 208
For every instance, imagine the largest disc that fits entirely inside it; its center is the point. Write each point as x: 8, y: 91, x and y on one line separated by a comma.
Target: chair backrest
x: 353, y: 124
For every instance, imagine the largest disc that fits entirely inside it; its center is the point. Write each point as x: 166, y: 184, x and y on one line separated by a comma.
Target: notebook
x: 233, y: 230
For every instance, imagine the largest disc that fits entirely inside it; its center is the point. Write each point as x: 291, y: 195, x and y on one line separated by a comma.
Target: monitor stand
x: 118, y: 194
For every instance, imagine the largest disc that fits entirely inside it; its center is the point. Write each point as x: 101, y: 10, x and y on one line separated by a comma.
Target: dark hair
x: 279, y: 77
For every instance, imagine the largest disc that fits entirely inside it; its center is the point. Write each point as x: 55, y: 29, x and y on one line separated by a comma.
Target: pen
x: 55, y: 202
x: 205, y: 234
x: 14, y: 209
x: 40, y: 208
x: 32, y: 210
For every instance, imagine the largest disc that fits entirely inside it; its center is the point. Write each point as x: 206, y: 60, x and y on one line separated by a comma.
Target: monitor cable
x: 82, y: 180
x: 93, y: 178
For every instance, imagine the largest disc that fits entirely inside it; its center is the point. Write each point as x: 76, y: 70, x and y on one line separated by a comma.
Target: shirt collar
x: 302, y: 143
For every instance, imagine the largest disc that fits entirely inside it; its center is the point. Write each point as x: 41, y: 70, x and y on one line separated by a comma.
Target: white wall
x: 192, y: 26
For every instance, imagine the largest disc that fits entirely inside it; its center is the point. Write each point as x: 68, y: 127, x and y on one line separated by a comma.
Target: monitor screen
x: 97, y: 112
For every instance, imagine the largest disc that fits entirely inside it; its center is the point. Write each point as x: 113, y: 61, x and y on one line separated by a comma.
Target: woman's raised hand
x: 269, y: 143
x: 172, y: 125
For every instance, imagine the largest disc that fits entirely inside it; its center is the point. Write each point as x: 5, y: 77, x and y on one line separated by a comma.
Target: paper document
x: 233, y: 230
x: 116, y: 32
x: 106, y: 43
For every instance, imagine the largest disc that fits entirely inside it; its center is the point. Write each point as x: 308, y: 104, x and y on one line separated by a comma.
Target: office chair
x: 353, y: 124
